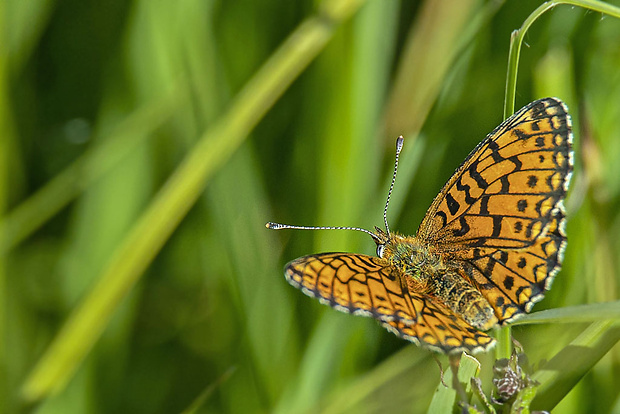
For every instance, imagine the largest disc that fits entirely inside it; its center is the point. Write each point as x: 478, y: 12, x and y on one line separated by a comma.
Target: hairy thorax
x: 427, y: 272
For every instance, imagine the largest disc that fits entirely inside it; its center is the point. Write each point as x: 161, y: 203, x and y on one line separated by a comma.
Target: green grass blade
x: 438, y: 36
x: 573, y: 314
x: 445, y: 398
x: 560, y: 375
x: 516, y: 41
x: 151, y: 231
x: 7, y: 139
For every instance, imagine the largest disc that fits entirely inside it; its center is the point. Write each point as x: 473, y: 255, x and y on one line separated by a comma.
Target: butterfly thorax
x: 426, y: 272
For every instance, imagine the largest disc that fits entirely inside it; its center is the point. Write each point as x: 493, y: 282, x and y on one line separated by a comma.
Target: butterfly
x: 486, y: 251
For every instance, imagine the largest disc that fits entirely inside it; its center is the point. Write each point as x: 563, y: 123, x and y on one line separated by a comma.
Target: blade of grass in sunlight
x: 573, y: 314
x: 442, y: 32
x: 438, y: 36
x: 144, y: 240
x: 560, y: 375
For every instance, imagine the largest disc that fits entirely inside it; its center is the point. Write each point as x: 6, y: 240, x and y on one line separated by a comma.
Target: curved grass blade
x: 560, y: 375
x: 572, y: 314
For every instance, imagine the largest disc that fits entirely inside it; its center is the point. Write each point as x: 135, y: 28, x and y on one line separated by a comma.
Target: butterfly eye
x: 380, y: 249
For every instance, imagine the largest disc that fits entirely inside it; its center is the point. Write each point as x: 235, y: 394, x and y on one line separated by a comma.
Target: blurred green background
x: 101, y: 102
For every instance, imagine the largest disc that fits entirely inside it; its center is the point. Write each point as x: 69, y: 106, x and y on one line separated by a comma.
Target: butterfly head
x: 381, y: 238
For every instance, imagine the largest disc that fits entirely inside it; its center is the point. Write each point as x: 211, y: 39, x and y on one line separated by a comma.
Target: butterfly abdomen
x: 463, y: 299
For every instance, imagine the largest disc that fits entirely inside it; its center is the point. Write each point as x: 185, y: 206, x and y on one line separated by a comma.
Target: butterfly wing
x: 353, y: 283
x: 368, y: 286
x: 500, y: 217
x: 439, y: 329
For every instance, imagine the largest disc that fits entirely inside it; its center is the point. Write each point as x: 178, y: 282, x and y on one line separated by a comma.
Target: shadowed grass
x: 31, y: 214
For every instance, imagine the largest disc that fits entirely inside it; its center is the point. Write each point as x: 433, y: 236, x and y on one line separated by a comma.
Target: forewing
x: 502, y: 211
x: 353, y: 283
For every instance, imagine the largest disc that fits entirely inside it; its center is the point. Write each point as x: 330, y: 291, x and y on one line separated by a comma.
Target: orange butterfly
x: 486, y: 251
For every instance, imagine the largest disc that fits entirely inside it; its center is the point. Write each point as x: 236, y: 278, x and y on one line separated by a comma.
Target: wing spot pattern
x: 518, y: 227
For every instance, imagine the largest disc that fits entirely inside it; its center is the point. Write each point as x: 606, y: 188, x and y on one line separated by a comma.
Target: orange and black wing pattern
x: 498, y: 224
x: 353, y: 283
x: 368, y: 286
x: 500, y: 217
x: 439, y: 329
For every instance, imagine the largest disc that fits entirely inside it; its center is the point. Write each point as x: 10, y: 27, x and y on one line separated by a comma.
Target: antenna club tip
x: 271, y: 225
x: 399, y: 143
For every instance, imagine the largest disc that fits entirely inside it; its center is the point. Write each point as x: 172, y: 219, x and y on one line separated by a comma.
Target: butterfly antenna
x: 399, y: 147
x: 278, y: 226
